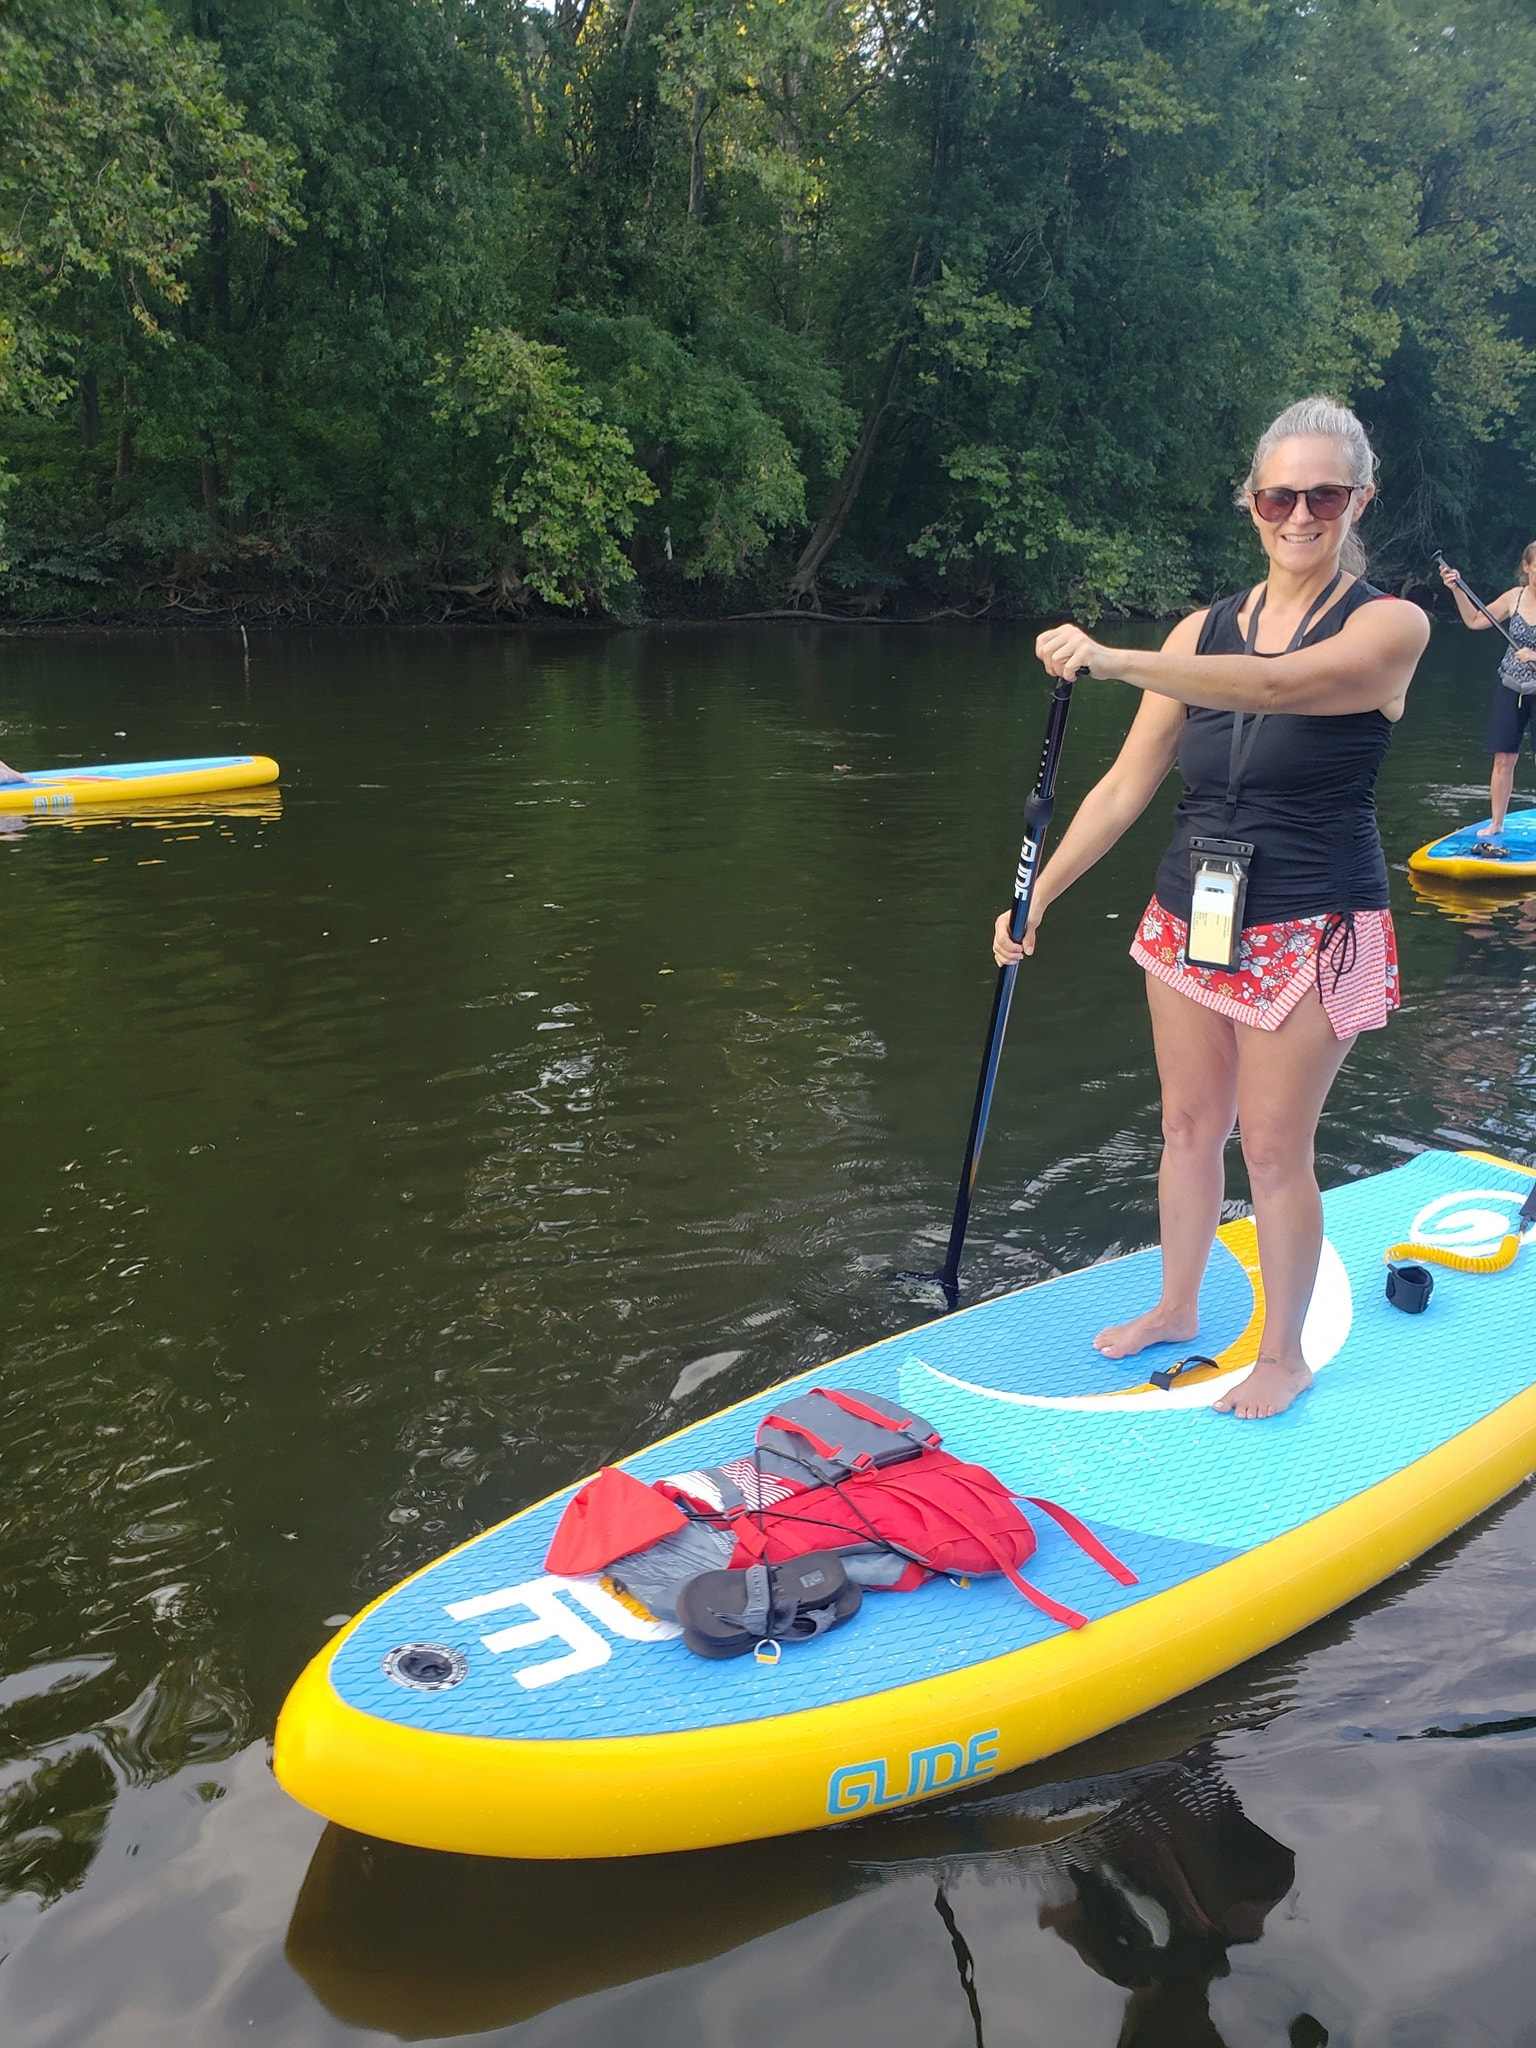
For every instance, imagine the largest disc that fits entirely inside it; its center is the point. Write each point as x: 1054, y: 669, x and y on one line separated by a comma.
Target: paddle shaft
x: 1037, y: 821
x: 1473, y: 599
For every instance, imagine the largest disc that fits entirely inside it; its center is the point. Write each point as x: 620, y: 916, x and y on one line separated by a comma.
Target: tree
x: 563, y: 488
x: 115, y: 136
x: 940, y: 304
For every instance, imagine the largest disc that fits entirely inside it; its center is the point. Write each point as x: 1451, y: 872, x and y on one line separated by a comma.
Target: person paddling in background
x: 1276, y: 704
x: 1514, y: 693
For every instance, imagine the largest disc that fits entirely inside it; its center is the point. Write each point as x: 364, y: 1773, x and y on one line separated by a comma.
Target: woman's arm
x: 1501, y: 607
x: 1366, y: 666
x: 1110, y: 808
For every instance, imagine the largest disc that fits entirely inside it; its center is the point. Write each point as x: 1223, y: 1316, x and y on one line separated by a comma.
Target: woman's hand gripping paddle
x: 1471, y: 596
x: 1037, y: 820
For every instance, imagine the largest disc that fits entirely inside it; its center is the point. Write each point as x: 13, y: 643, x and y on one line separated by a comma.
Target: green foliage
x: 727, y: 472
x: 361, y: 307
x: 7, y: 485
x: 116, y: 135
x: 562, y: 482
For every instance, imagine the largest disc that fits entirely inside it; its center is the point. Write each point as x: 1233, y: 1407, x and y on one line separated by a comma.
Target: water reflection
x: 1149, y: 1876
x: 1162, y: 1886
x: 164, y: 814
x: 1490, y: 908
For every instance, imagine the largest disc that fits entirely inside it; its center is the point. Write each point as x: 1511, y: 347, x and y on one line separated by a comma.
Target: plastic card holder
x: 1218, y: 876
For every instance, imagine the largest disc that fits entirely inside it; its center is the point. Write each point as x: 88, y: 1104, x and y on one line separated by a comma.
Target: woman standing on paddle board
x: 1274, y: 880
x: 1514, y: 693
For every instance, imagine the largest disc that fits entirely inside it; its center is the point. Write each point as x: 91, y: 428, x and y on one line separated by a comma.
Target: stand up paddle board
x: 50, y: 790
x: 544, y: 1716
x: 1463, y: 857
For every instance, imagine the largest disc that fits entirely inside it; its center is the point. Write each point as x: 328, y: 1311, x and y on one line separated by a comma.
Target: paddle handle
x: 1472, y: 597
x: 1038, y: 812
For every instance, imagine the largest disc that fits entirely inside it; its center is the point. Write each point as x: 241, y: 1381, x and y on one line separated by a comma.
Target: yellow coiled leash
x: 1409, y: 1286
x: 1459, y: 1262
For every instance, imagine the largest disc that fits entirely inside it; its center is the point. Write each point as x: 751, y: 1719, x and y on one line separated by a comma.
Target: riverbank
x: 545, y: 620
x: 409, y: 601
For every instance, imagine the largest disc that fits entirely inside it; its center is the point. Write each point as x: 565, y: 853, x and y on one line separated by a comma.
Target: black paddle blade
x: 933, y: 1289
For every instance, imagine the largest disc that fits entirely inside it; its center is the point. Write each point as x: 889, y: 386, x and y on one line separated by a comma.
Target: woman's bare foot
x: 1269, y: 1389
x: 10, y: 774
x: 1157, y: 1326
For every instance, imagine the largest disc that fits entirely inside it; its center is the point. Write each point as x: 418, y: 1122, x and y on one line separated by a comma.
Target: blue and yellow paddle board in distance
x: 1462, y: 857
x: 554, y: 1719
x: 48, y: 791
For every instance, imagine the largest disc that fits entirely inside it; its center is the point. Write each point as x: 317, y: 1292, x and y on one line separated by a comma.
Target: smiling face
x: 1301, y: 541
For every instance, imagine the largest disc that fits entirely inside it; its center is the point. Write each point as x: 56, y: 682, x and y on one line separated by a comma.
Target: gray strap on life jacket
x: 732, y: 1500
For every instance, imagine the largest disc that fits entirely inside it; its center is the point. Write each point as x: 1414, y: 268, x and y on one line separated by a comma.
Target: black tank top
x: 1307, y: 800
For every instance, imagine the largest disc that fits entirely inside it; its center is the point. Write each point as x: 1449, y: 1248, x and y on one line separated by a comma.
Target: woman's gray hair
x: 1322, y: 415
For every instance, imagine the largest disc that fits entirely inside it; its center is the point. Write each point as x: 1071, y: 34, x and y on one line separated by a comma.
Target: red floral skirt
x: 1352, y: 961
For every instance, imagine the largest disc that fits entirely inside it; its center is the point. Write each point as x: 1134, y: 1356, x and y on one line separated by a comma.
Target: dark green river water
x: 574, y: 1047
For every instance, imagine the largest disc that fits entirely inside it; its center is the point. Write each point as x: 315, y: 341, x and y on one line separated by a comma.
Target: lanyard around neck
x: 1243, y: 742
x: 1301, y: 631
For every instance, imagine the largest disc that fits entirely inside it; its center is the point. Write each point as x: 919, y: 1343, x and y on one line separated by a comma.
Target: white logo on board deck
x: 553, y: 1621
x: 1474, y: 1221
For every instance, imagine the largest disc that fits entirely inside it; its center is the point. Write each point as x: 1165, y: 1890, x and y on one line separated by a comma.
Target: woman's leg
x: 1500, y: 790
x: 1283, y: 1078
x: 1197, y: 1066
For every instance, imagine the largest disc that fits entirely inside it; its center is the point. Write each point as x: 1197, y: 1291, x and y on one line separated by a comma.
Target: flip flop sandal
x: 727, y: 1614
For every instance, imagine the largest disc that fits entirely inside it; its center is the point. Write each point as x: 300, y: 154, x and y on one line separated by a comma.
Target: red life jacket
x: 943, y: 1516
x: 835, y: 1469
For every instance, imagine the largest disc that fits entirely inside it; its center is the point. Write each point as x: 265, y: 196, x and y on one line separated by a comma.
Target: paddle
x: 1470, y: 594
x: 1037, y: 820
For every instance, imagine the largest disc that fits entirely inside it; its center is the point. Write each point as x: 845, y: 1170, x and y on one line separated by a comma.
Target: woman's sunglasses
x: 1324, y: 501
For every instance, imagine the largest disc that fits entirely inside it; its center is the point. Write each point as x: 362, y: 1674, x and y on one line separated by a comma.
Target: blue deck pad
x: 1173, y: 1494
x: 124, y: 771
x: 1401, y: 1386
x: 1040, y: 1340
x: 662, y: 1688
x: 1518, y: 838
